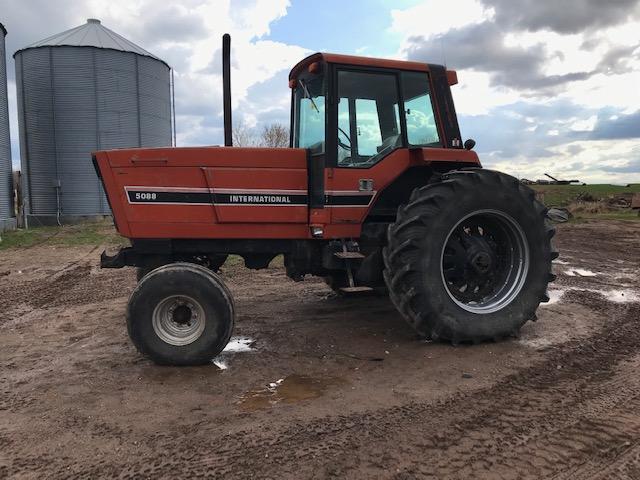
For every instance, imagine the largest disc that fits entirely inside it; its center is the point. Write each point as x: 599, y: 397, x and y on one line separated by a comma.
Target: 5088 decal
x: 146, y: 195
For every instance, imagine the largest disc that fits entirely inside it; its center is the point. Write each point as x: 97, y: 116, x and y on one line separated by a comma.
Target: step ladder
x: 348, y: 256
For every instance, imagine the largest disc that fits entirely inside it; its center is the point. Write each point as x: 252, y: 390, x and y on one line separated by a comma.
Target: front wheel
x: 180, y: 314
x: 213, y: 262
x: 469, y: 257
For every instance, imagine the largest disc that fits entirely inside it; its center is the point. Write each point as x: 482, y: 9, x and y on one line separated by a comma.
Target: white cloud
x: 584, y: 125
x: 619, y: 91
x: 598, y: 161
x: 430, y: 18
x: 527, y: 94
x: 474, y: 94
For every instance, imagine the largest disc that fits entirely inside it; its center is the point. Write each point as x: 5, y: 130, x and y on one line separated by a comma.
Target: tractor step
x: 350, y: 255
x: 356, y: 289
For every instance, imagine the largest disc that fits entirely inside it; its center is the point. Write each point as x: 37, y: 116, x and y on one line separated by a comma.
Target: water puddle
x: 619, y: 296
x: 554, y: 296
x: 235, y: 345
x: 239, y: 344
x: 616, y: 296
x: 580, y: 272
x: 292, y: 389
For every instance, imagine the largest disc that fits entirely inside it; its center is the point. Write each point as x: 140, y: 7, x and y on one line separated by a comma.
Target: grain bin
x: 7, y: 217
x: 82, y: 90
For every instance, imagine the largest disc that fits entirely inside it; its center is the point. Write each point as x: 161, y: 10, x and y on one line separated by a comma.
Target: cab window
x: 418, y: 110
x: 309, y: 114
x: 368, y: 120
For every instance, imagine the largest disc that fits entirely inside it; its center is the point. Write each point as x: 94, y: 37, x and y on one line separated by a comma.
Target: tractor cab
x: 355, y: 111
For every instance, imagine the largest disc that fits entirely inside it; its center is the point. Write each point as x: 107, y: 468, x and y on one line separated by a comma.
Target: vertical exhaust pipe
x: 226, y: 89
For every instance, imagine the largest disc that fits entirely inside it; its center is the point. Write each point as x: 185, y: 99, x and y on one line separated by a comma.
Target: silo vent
x: 93, y: 20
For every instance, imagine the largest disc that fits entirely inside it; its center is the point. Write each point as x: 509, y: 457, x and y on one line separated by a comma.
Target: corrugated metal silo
x: 7, y: 219
x: 82, y: 90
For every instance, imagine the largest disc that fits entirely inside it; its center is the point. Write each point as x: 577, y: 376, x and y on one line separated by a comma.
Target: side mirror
x: 469, y: 144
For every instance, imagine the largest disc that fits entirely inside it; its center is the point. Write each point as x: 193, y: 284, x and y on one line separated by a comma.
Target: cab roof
x: 365, y: 62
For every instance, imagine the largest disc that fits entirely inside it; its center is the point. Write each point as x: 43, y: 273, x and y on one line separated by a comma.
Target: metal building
x: 82, y: 90
x: 7, y: 219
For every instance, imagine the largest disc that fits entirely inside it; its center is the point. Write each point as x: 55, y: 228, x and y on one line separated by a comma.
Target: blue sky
x: 542, y: 88
x: 354, y: 27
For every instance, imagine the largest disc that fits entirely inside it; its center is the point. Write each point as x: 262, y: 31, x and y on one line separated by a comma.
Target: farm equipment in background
x: 553, y: 181
x: 376, y: 192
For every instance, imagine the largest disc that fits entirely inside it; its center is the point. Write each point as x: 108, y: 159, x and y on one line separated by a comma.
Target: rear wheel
x: 180, y: 314
x: 469, y: 257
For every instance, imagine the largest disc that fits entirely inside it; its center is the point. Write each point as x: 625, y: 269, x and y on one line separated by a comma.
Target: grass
x: 628, y: 215
x: 589, y: 201
x: 95, y: 233
x: 564, y: 195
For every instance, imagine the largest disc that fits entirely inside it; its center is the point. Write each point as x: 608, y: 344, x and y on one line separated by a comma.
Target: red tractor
x: 376, y: 192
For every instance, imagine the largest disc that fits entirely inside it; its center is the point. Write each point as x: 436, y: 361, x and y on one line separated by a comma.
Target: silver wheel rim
x: 506, y: 246
x: 178, y: 320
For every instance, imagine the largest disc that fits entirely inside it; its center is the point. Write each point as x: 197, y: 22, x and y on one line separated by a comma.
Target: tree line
x: 273, y: 135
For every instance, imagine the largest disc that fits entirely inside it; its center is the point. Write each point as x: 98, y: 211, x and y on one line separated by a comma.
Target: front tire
x: 180, y: 314
x: 469, y: 257
x: 213, y: 262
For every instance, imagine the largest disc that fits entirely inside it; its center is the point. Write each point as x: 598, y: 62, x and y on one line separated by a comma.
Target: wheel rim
x: 178, y: 320
x: 484, y: 262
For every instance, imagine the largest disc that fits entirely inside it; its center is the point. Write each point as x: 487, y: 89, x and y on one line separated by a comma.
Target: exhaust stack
x: 226, y: 88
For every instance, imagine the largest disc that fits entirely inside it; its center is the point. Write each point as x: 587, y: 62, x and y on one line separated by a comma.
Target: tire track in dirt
x: 540, y: 422
x: 624, y: 464
x: 76, y: 284
x: 527, y: 426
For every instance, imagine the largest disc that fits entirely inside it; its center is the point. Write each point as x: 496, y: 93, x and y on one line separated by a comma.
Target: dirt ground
x: 317, y: 386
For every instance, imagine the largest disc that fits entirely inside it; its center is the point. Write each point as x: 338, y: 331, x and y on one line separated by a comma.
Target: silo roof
x: 91, y: 34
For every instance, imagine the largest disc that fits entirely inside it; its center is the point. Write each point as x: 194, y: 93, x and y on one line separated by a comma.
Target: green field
x: 563, y: 195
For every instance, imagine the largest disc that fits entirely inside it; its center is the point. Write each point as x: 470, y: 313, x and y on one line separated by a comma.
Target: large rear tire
x: 469, y: 257
x: 180, y: 314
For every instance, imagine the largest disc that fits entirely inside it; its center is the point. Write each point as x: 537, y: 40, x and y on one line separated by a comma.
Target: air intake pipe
x: 226, y: 89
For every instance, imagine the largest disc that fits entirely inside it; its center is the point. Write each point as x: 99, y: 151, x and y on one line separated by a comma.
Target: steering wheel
x: 344, y: 145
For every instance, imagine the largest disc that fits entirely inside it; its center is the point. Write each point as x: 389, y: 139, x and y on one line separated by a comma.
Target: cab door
x: 378, y: 116
x: 367, y: 131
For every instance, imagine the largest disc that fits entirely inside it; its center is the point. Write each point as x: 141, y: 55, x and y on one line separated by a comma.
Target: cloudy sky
x: 545, y: 85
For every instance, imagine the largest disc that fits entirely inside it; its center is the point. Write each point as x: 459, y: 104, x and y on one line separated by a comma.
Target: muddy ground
x: 317, y: 386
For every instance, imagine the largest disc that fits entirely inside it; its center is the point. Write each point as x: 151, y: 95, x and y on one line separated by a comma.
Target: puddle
x: 239, y: 344
x: 554, y: 296
x: 221, y: 364
x: 617, y: 296
x: 580, y: 272
x: 557, y: 261
x: 235, y: 345
x: 292, y: 389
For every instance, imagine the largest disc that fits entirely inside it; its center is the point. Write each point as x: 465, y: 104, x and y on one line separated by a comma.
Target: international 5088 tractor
x: 376, y: 192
